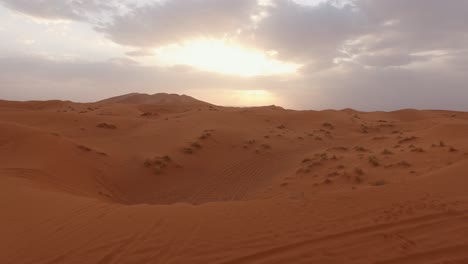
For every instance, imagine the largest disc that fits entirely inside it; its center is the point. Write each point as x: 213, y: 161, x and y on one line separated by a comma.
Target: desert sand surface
x: 171, y: 179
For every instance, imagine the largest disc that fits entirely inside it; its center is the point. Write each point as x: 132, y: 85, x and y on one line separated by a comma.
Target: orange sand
x: 170, y: 179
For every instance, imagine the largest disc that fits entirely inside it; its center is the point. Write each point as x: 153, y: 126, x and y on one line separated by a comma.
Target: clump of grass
x: 379, y: 183
x: 196, y: 145
x: 266, y: 146
x: 404, y: 164
x: 106, y: 126
x: 205, y: 136
x: 441, y: 144
x: 188, y: 150
x: 282, y: 126
x: 407, y: 139
x: 379, y: 138
x: 166, y: 158
x: 374, y: 161
x: 323, y: 156
x: 359, y: 171
x: 251, y: 141
x: 387, y: 152
x: 328, y: 181
x: 452, y: 149
x: 360, y: 149
x: 306, y: 160
x: 420, y: 150
x: 328, y: 125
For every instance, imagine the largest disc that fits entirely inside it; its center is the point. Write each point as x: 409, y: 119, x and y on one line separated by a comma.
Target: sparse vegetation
x: 266, y: 146
x: 379, y: 183
x: 328, y: 125
x: 359, y: 171
x: 404, y: 164
x: 387, y: 152
x: 379, y: 138
x: 360, y: 149
x: 205, y: 136
x: 452, y: 149
x: 419, y: 150
x: 407, y: 139
x: 188, y: 150
x: 196, y: 145
x: 374, y: 161
x: 106, y: 126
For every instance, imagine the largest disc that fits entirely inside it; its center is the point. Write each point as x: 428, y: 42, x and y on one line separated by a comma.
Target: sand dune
x: 170, y: 179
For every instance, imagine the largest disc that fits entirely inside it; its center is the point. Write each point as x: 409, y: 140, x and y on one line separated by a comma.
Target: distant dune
x: 155, y: 99
x: 167, y: 178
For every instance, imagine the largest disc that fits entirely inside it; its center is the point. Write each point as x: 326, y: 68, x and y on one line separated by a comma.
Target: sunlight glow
x: 255, y: 97
x: 223, y: 57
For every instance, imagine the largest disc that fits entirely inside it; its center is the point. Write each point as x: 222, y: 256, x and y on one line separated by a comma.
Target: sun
x: 223, y: 57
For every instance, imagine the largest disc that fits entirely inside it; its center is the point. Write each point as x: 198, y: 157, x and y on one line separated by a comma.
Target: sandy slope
x: 184, y: 182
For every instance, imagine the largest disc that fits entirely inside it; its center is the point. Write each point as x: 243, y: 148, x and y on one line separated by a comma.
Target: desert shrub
x: 106, y: 126
x: 188, y: 150
x: 379, y: 183
x: 359, y: 171
x: 407, y: 139
x: 328, y: 125
x: 360, y: 148
x: 374, y: 161
x: 404, y: 164
x: 195, y: 145
x: 420, y: 150
x: 387, y: 152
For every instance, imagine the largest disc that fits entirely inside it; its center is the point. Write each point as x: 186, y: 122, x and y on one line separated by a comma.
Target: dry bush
x: 387, y: 152
x: 106, y: 126
x: 379, y: 183
x: 374, y: 161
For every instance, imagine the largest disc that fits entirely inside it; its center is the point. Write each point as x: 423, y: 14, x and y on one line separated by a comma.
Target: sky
x: 301, y: 54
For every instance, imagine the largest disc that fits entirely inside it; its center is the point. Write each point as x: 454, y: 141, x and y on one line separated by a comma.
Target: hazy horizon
x: 299, y: 54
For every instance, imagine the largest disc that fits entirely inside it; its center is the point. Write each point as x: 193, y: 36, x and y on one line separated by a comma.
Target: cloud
x: 364, y: 54
x: 39, y: 78
x: 306, y: 33
x: 161, y: 23
x: 59, y: 9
